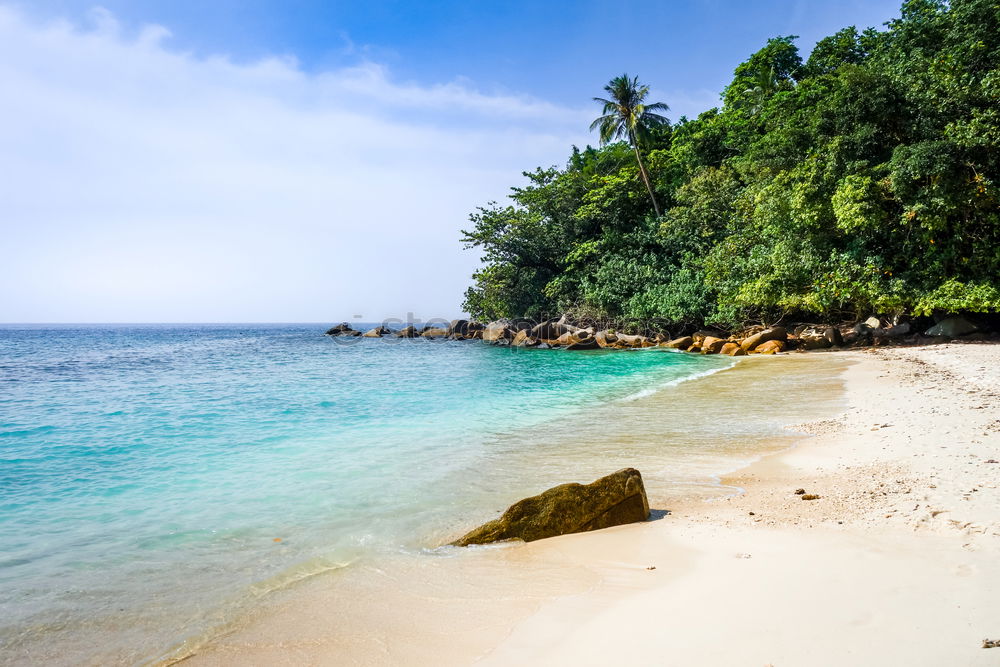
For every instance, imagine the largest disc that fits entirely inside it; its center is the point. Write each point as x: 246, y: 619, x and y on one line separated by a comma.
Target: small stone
x: 991, y: 643
x: 751, y: 513
x: 651, y: 567
x: 799, y: 492
x: 810, y: 496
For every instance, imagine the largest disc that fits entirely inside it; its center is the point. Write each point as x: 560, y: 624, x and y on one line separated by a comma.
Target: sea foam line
x: 649, y: 391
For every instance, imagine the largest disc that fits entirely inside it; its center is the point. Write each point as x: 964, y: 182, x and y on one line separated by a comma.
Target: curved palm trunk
x: 645, y: 178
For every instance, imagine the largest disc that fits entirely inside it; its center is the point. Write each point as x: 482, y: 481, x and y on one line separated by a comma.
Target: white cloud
x: 139, y: 183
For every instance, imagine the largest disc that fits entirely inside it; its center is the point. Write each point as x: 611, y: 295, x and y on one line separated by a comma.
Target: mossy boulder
x: 616, y: 499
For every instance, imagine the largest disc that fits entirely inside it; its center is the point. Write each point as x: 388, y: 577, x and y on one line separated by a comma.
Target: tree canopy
x: 863, y: 179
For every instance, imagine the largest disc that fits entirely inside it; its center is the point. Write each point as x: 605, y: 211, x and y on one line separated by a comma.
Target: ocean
x: 155, y: 480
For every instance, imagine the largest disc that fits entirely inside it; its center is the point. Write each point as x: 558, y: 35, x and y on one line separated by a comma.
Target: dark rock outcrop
x: 817, y: 337
x: 952, y: 327
x: 584, y: 343
x: 339, y: 330
x: 613, y: 500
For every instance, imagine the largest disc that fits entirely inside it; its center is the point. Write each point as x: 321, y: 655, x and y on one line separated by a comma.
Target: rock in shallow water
x: 613, y: 500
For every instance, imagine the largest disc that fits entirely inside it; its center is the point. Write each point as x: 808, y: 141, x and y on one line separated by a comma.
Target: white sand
x: 897, y: 562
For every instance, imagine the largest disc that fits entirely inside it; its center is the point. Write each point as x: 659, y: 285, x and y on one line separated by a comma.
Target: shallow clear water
x: 153, y: 479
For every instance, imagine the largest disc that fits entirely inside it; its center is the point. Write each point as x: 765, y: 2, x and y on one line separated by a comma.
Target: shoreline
x: 895, y: 563
x: 864, y: 574
x: 514, y: 568
x: 886, y: 567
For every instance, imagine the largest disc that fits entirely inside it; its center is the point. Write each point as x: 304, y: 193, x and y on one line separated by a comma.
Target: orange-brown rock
x: 628, y: 340
x: 770, y: 347
x: 524, y: 338
x: 497, y: 332
x: 732, y: 349
x: 605, y: 338
x: 774, y: 333
x: 712, y: 345
x: 682, y: 343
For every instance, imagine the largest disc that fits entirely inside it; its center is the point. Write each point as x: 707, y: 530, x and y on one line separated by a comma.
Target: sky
x: 307, y: 160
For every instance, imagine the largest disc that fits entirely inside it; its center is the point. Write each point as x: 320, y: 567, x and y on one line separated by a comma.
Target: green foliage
x: 863, y: 179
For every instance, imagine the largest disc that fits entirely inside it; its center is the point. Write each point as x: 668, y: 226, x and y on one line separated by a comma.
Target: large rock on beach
x: 682, y: 343
x: 584, y: 343
x: 570, y: 338
x: 774, y: 333
x: 733, y: 350
x: 459, y: 327
x: 897, y: 331
x: 551, y: 329
x: 632, y: 341
x: 613, y: 500
x: 524, y: 339
x: 814, y: 338
x: 497, y: 331
x: 712, y: 345
x: 952, y: 327
x: 605, y: 338
x: 770, y: 347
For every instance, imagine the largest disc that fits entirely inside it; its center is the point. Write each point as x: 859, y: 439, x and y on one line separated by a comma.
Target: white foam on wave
x: 649, y: 391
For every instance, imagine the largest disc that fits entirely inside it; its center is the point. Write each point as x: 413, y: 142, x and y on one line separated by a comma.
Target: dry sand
x: 896, y: 563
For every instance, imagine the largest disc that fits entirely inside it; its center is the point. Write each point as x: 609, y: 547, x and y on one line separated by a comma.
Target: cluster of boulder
x: 455, y: 330
x: 563, y: 333
x: 560, y: 333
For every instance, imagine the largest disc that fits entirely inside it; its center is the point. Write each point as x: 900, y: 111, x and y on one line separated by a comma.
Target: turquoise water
x: 155, y: 478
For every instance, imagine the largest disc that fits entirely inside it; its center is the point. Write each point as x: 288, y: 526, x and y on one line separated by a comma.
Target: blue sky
x: 558, y: 51
x: 301, y: 160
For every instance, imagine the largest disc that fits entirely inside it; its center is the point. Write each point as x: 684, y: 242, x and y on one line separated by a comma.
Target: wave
x: 649, y: 391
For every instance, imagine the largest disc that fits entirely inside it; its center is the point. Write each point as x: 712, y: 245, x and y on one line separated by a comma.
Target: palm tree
x: 765, y: 85
x: 626, y: 117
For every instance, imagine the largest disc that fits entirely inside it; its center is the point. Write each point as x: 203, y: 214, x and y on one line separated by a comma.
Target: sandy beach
x: 896, y: 561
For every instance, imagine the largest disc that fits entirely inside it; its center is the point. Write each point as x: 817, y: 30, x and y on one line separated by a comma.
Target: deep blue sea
x: 155, y: 478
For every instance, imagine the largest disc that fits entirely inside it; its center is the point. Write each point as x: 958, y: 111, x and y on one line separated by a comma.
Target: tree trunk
x: 645, y: 178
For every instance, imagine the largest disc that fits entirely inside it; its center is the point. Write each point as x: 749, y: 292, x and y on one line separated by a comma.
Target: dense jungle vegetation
x: 863, y: 179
